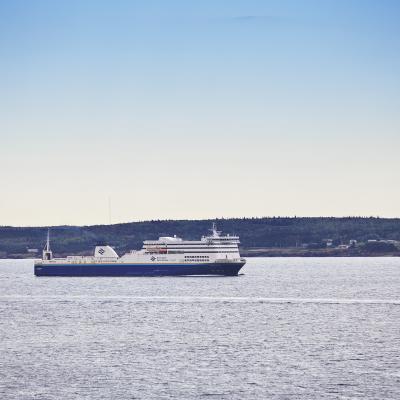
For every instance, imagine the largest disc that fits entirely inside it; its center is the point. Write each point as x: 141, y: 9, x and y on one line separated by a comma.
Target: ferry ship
x: 214, y: 254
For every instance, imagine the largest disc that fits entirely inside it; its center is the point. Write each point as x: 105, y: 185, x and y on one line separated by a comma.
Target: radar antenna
x: 215, y: 232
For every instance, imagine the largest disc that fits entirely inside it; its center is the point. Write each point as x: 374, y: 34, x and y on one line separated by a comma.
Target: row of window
x: 192, y: 244
x: 214, y: 246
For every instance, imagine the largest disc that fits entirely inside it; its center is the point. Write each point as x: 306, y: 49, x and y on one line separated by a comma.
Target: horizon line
x: 203, y: 219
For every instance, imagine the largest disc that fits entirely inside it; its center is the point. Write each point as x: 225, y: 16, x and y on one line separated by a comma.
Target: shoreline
x: 270, y: 252
x: 296, y: 252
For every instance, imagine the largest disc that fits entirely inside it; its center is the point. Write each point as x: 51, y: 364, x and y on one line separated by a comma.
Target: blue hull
x: 224, y: 269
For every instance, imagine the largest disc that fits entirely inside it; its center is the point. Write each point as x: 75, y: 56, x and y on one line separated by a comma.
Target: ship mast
x: 215, y: 232
x: 48, y: 240
x: 47, y: 253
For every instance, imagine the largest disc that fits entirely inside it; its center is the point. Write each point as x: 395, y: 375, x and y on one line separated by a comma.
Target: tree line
x: 253, y: 232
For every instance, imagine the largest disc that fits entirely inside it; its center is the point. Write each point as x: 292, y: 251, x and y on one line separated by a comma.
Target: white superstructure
x: 214, y: 248
x: 209, y: 249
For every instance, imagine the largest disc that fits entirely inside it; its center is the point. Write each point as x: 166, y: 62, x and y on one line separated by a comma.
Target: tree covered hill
x: 278, y: 232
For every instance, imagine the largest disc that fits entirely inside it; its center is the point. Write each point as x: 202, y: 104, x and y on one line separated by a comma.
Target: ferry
x: 213, y: 254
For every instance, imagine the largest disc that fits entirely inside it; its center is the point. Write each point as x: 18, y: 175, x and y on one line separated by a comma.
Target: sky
x: 191, y: 110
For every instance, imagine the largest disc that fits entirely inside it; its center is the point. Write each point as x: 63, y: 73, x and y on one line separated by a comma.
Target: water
x: 290, y: 328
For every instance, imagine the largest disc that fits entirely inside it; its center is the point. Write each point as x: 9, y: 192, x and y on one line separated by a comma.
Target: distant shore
x: 259, y: 237
x: 298, y: 252
x: 263, y: 252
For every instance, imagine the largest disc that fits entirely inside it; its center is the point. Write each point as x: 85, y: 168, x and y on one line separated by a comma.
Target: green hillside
x: 275, y: 232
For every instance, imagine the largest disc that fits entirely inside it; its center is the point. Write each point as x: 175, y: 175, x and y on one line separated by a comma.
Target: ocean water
x: 289, y: 328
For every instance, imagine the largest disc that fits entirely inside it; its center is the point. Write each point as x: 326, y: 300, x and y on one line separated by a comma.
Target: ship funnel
x: 105, y: 252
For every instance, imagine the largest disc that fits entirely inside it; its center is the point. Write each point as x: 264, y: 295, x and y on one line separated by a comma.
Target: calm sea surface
x: 289, y: 328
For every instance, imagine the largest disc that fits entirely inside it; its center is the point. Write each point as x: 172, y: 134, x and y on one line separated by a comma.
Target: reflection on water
x: 287, y: 329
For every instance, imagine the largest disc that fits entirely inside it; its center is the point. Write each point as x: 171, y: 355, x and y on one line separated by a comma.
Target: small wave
x: 200, y: 299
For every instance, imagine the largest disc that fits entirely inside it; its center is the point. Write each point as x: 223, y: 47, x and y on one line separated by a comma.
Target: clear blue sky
x: 181, y: 109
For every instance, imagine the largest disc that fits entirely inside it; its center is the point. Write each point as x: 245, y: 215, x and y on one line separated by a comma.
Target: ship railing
x: 229, y: 260
x: 57, y: 259
x: 82, y: 260
x: 105, y: 259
